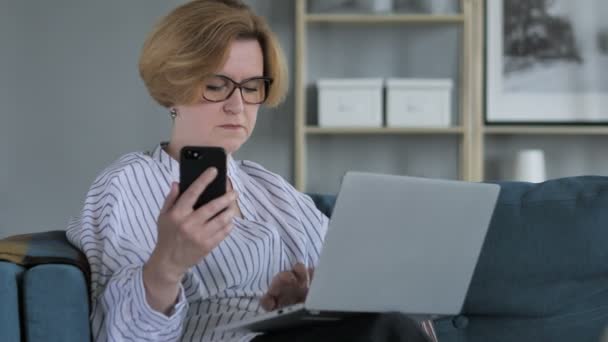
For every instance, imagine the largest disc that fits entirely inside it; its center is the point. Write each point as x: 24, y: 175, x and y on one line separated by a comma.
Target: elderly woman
x: 162, y: 271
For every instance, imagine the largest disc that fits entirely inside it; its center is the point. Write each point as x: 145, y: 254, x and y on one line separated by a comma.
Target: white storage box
x: 350, y: 102
x: 418, y: 102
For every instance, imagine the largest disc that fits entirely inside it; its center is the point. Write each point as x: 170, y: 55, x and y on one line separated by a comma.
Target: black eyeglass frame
x: 267, y: 83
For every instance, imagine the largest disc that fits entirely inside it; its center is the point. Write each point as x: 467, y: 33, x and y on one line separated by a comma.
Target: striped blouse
x: 117, y: 231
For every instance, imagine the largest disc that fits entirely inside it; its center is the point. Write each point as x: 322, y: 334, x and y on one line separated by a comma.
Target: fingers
x: 202, y: 234
x: 211, y: 233
x: 220, y: 222
x: 268, y: 302
x: 280, y: 282
x: 189, y: 197
x: 211, y: 209
x: 287, y: 299
x: 301, y: 274
x: 285, y: 289
x: 217, y: 237
x: 171, y: 198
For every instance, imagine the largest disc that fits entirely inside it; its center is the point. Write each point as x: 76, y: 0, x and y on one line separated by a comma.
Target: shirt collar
x: 235, y: 174
x: 163, y: 158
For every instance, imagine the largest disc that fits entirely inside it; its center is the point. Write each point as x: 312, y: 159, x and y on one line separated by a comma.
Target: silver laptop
x: 394, y: 244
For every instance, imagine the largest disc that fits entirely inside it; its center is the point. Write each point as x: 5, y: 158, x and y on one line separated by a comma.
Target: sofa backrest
x: 546, y: 252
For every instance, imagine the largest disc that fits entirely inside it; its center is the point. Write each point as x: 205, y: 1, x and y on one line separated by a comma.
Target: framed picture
x: 547, y: 61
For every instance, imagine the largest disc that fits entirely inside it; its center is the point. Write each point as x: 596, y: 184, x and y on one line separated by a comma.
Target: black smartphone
x: 194, y: 160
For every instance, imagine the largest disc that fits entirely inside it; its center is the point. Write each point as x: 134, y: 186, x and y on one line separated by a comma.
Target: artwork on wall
x: 547, y: 61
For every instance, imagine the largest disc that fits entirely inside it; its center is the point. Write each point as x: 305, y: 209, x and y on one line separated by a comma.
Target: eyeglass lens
x: 218, y: 88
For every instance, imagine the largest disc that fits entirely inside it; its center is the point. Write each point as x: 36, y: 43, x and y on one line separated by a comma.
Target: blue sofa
x: 43, y: 303
x: 542, y: 275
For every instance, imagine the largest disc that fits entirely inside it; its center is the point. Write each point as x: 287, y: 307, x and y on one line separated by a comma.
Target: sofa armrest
x: 10, y: 276
x: 55, y: 304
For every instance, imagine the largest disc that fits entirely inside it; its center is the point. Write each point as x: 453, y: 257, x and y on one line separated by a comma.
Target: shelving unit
x: 304, y: 131
x: 385, y: 130
x: 478, y: 142
x: 383, y: 19
x: 547, y: 130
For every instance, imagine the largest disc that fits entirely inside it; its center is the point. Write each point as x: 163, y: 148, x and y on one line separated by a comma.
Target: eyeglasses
x: 218, y: 88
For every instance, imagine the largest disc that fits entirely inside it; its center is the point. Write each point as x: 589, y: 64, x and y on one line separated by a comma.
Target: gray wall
x: 71, y: 102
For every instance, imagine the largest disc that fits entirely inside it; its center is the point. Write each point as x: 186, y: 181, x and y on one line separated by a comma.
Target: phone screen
x: 194, y: 160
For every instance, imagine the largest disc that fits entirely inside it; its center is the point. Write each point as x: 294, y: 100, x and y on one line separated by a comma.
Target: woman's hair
x: 192, y: 42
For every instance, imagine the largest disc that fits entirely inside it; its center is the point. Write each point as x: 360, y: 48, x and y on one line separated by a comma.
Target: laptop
x: 393, y: 244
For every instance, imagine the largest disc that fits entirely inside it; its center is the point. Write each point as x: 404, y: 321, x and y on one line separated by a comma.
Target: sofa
x: 43, y: 289
x: 542, y: 274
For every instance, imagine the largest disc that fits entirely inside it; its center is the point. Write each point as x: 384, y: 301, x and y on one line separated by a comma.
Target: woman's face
x: 227, y: 123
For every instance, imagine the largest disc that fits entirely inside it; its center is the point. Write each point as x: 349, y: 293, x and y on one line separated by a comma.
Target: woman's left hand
x: 287, y: 288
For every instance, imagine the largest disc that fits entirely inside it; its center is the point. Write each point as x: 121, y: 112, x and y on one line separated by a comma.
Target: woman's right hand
x: 185, y: 237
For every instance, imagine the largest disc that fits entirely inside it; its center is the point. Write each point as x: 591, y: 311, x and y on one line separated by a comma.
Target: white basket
x: 351, y: 102
x: 418, y: 102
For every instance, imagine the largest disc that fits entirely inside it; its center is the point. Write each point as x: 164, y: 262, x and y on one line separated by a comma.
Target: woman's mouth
x: 231, y: 127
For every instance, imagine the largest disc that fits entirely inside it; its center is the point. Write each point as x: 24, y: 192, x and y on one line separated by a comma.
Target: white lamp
x: 530, y: 166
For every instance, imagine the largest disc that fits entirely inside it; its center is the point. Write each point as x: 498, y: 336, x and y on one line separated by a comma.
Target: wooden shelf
x: 384, y: 130
x: 468, y: 23
x: 547, y: 130
x: 385, y: 18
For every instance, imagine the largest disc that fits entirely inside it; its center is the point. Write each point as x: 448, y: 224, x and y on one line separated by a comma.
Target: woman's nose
x: 235, y: 104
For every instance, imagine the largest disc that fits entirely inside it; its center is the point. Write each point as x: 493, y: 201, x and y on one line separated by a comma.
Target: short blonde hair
x: 192, y: 42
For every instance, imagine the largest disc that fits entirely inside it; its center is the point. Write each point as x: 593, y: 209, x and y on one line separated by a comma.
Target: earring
x: 173, y: 113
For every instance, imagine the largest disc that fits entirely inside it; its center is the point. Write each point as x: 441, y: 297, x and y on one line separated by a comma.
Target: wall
x: 71, y: 102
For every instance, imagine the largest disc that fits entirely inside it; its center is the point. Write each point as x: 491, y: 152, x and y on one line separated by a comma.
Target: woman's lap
x: 364, y: 328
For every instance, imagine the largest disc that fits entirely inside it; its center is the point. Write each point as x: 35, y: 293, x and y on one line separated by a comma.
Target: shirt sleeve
x: 119, y: 310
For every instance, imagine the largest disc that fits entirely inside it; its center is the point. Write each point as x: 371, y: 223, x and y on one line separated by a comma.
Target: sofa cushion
x: 543, y: 270
x: 517, y: 329
x: 10, y: 275
x: 55, y: 304
x: 325, y: 203
x: 547, y: 248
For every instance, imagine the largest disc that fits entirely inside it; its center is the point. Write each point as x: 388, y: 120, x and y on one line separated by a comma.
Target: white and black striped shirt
x: 117, y: 231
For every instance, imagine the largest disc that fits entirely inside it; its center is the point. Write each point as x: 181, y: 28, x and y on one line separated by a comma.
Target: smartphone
x: 194, y: 160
